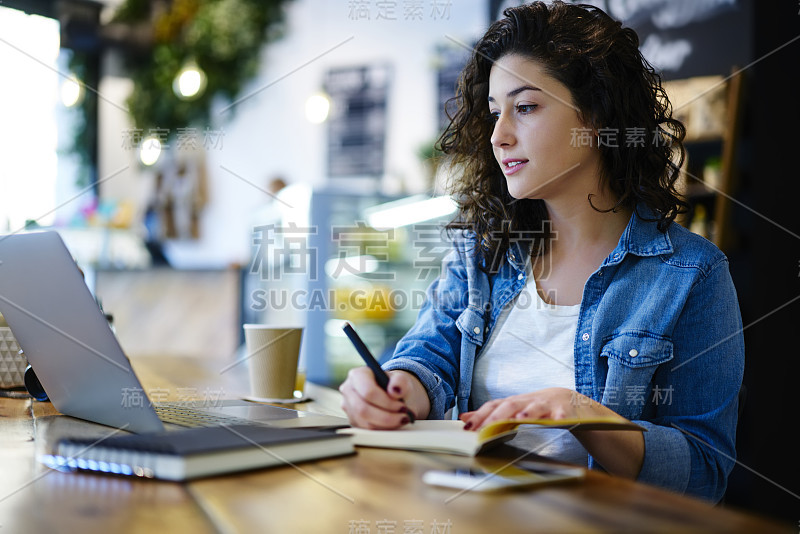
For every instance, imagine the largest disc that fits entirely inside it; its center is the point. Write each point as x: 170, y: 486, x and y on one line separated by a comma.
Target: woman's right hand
x: 369, y: 406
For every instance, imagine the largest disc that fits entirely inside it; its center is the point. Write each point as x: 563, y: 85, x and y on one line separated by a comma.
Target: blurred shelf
x: 711, y: 109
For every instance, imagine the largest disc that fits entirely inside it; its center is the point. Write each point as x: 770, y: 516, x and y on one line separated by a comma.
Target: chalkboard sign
x: 681, y: 38
x: 357, y: 126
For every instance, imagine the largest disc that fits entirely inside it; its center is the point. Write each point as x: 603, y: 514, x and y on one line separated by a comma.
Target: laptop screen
x: 65, y: 335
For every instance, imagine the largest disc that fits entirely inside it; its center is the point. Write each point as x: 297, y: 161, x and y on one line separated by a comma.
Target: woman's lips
x: 512, y: 165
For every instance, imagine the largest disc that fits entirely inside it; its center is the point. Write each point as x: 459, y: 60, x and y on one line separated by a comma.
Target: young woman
x: 570, y: 290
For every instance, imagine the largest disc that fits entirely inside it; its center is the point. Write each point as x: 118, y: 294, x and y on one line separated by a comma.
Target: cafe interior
x: 215, y: 163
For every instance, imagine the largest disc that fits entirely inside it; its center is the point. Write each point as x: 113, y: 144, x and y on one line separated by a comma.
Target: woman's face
x: 539, y: 141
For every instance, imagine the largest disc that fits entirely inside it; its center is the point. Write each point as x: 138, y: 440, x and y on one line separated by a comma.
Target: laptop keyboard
x: 183, y: 415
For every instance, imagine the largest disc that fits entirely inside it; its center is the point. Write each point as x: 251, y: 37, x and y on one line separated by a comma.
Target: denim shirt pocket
x: 631, y: 359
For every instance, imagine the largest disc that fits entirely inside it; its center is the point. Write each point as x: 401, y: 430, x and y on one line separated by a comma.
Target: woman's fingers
x: 364, y: 415
x: 493, y: 410
x: 399, y: 386
x: 369, y: 406
x: 551, y: 403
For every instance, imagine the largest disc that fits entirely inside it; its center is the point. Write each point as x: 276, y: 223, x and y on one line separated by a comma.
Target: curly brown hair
x: 612, y: 85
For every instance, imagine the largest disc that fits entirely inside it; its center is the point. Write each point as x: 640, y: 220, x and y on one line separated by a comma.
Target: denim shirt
x: 659, y: 341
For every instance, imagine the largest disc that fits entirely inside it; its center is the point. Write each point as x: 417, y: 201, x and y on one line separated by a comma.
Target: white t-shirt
x: 532, y: 347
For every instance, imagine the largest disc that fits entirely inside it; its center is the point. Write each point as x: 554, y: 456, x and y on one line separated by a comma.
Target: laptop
x: 78, y: 360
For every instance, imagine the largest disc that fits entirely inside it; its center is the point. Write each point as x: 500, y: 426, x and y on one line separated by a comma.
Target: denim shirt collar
x: 641, y: 237
x: 517, y: 254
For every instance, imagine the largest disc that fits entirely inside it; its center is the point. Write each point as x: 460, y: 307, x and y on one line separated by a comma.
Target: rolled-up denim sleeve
x: 668, y: 459
x: 690, y: 445
x: 430, y: 349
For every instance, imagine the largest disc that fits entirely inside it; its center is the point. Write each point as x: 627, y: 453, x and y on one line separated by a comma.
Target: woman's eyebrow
x: 518, y: 90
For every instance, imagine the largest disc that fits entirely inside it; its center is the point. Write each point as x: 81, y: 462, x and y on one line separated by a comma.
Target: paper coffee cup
x: 272, y: 354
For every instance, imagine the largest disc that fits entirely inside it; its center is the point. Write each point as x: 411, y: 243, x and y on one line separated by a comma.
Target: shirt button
x: 513, y: 258
x: 520, y: 276
x: 633, y: 353
x: 477, y: 330
x: 585, y: 337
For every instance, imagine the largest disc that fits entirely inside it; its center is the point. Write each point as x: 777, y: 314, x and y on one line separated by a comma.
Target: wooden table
x: 373, y: 491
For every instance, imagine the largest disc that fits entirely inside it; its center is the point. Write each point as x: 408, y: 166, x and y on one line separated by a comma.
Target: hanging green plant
x: 83, y: 142
x: 223, y: 38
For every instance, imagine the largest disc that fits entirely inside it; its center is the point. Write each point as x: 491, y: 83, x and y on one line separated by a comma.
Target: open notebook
x: 449, y: 436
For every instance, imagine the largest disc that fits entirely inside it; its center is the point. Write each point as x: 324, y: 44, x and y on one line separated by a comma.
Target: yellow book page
x: 570, y: 423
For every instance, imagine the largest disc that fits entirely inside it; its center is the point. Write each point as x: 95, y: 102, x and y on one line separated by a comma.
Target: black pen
x: 380, y: 375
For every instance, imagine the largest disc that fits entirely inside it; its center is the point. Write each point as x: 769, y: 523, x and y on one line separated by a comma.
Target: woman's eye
x: 526, y: 108
x: 494, y: 115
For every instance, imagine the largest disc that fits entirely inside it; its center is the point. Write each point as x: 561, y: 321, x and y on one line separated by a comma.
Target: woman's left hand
x: 549, y: 403
x: 620, y: 452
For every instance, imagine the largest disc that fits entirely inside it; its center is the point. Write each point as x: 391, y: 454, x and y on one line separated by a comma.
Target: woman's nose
x: 503, y: 134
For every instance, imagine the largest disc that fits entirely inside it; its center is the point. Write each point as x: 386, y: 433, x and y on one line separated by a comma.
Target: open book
x: 449, y: 436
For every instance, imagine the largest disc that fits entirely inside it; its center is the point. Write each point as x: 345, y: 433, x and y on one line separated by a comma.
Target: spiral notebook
x: 197, y: 452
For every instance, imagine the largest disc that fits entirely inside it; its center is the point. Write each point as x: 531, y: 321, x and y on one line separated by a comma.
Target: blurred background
x: 211, y: 163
